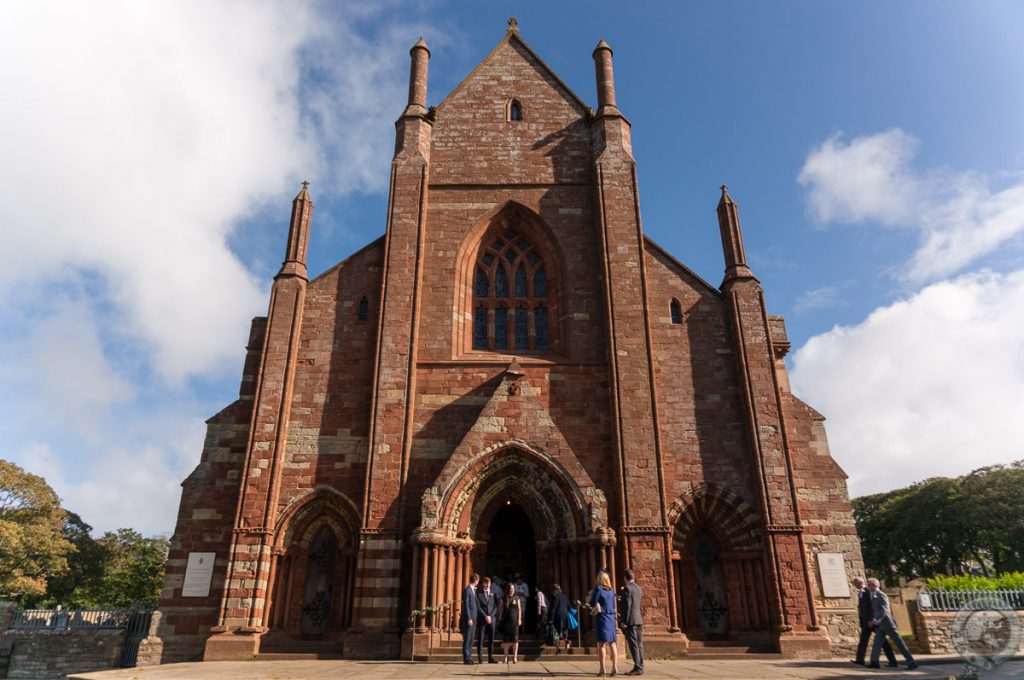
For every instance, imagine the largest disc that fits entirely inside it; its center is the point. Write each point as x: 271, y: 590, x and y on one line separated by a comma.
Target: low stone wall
x: 842, y: 626
x: 44, y: 654
x: 935, y: 630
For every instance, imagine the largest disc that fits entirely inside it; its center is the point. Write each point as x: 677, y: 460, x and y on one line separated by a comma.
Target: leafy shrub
x: 1013, y: 581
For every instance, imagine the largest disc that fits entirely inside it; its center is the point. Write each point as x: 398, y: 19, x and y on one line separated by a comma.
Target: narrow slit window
x: 515, y: 111
x: 364, y: 309
x: 677, y: 311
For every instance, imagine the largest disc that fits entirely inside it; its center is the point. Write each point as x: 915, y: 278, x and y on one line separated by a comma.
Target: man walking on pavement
x: 885, y: 626
x: 864, y: 610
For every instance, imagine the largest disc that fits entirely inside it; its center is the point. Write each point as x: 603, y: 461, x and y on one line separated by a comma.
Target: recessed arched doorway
x: 511, y: 547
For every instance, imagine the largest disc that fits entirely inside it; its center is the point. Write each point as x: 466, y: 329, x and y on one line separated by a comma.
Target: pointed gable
x: 475, y: 142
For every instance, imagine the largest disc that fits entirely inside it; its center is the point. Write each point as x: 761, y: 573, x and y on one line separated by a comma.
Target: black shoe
x: 873, y: 665
x: 912, y: 665
x: 469, y: 663
x: 492, y: 660
x: 893, y: 664
x: 859, y: 663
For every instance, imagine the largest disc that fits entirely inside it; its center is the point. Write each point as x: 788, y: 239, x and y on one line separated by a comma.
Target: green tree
x: 32, y: 543
x: 133, y: 569
x: 75, y: 588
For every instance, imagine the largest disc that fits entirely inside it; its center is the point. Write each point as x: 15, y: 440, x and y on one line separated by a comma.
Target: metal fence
x: 978, y: 600
x: 56, y: 619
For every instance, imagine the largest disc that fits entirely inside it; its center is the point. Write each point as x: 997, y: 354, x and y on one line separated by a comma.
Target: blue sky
x: 876, y: 151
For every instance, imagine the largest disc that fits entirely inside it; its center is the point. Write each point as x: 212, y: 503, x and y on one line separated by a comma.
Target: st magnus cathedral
x: 512, y: 379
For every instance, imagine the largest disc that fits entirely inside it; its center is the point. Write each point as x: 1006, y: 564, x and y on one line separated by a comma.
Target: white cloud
x: 930, y: 385
x: 136, y: 137
x: 959, y: 215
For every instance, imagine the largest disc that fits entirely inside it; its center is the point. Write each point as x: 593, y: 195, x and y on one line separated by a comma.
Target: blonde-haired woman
x: 602, y: 605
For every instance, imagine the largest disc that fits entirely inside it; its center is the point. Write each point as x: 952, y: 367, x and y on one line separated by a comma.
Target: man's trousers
x: 635, y: 642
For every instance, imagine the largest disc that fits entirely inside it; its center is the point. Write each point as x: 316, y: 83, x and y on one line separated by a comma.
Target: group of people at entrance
x: 488, y: 608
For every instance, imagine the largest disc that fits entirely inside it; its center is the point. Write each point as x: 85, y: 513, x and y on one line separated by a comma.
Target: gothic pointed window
x: 511, y: 295
x: 677, y: 311
x: 515, y: 111
x: 364, y: 309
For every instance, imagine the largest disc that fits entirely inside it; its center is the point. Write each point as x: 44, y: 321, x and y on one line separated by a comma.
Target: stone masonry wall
x: 44, y: 654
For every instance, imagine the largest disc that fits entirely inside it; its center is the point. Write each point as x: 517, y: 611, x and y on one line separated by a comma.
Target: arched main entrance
x: 509, y: 509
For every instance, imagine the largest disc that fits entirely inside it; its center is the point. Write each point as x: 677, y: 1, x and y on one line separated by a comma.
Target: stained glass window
x: 520, y: 281
x: 500, y: 283
x: 522, y: 329
x: 540, y: 284
x: 480, y: 328
x: 512, y: 302
x: 540, y: 327
x: 500, y: 328
x: 481, y: 287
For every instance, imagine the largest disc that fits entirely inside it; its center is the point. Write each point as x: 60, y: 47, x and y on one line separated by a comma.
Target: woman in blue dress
x: 602, y: 604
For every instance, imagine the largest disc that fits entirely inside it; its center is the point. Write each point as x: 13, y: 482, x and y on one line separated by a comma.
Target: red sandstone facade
x: 393, y: 408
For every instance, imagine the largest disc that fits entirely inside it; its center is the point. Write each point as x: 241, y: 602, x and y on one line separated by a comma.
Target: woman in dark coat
x: 559, y: 610
x: 510, y: 615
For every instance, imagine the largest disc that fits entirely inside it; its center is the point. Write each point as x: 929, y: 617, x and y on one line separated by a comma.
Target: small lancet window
x: 515, y: 111
x: 364, y: 309
x: 677, y: 311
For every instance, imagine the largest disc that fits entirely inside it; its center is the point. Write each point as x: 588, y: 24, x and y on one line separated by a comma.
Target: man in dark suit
x: 467, y: 620
x: 885, y: 626
x: 864, y: 610
x: 632, y: 621
x: 486, y: 620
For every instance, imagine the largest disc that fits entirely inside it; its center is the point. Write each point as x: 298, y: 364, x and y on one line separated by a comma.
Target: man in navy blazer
x: 467, y: 620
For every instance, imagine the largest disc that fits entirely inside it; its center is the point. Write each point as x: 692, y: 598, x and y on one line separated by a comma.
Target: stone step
x: 298, y: 656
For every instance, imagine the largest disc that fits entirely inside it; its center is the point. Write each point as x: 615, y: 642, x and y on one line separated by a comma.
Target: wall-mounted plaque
x: 832, y: 570
x: 198, y: 574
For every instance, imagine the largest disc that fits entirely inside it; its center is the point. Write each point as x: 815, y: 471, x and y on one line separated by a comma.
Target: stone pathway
x: 946, y: 667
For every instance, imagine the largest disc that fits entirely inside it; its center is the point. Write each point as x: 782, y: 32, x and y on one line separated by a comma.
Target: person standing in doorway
x: 602, y: 606
x: 632, y: 621
x: 511, y: 616
x: 486, y: 621
x: 542, y: 611
x: 864, y: 611
x: 885, y: 626
x: 467, y: 620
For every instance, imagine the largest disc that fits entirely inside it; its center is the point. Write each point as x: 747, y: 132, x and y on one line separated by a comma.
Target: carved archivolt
x: 466, y: 495
x: 306, y: 513
x: 723, y: 513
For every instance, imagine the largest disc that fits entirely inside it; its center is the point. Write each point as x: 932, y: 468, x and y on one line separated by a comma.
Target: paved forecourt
x: 943, y: 667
